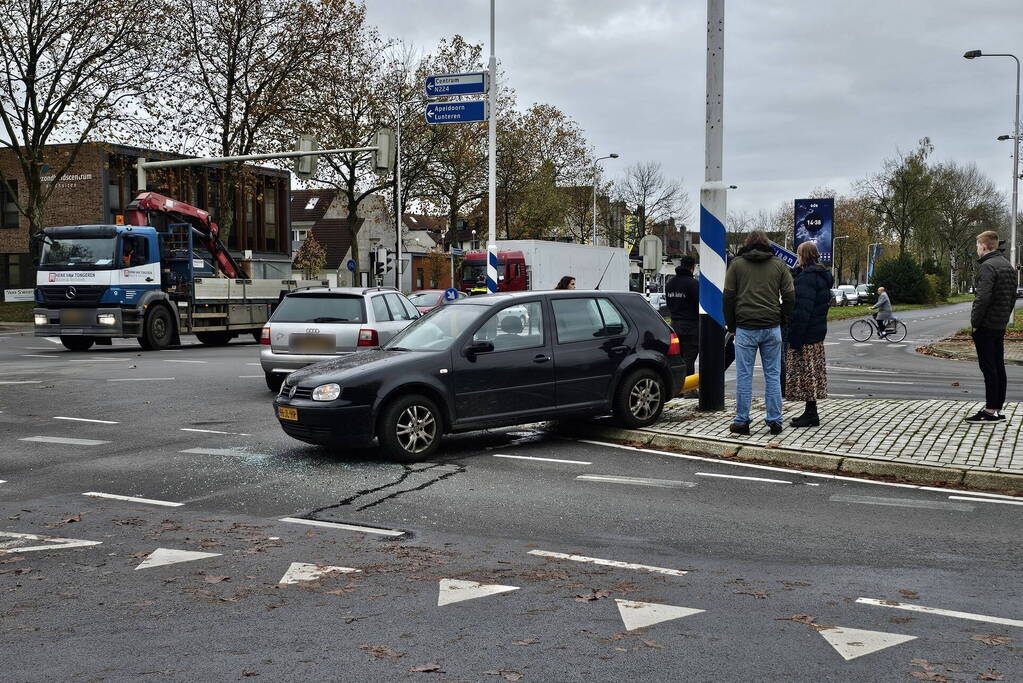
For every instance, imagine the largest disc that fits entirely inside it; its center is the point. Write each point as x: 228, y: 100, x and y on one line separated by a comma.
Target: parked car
x: 425, y: 300
x: 472, y: 364
x: 659, y: 302
x: 866, y: 294
x: 837, y: 297
x: 849, y: 295
x: 314, y: 324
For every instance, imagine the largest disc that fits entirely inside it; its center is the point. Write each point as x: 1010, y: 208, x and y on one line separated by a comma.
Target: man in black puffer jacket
x: 683, y: 294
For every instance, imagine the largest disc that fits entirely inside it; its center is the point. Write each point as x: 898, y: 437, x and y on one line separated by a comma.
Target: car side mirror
x: 478, y: 347
x: 613, y: 330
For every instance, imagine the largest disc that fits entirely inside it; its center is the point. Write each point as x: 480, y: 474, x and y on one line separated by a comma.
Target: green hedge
x: 904, y: 280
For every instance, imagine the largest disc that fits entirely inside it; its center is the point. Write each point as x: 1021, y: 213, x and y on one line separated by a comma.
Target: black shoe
x: 739, y: 428
x: 983, y: 417
x: 809, y: 418
x: 776, y: 427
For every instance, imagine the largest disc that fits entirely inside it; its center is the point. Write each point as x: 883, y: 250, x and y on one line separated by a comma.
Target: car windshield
x: 85, y: 253
x: 861, y: 288
x: 306, y: 308
x: 425, y: 298
x: 437, y: 330
x: 847, y: 288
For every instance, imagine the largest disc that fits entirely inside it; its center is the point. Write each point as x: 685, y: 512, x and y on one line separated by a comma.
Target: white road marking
x: 943, y: 612
x: 642, y: 614
x: 987, y: 500
x: 132, y: 499
x: 86, y: 419
x: 527, y: 457
x: 862, y: 344
x: 299, y: 572
x: 457, y: 590
x: 855, y: 642
x: 733, y: 476
x: 53, y: 542
x: 64, y: 440
x: 983, y: 494
x: 901, y: 502
x: 607, y: 563
x: 184, y: 361
x: 53, y: 340
x: 896, y: 346
x: 100, y: 360
x: 841, y: 395
x: 212, y: 431
x: 637, y: 481
x: 250, y: 376
x: 346, y: 527
x: 876, y: 381
x: 162, y: 556
x: 142, y: 379
x: 832, y: 343
x: 232, y: 452
x: 24, y: 381
x: 36, y: 355
x: 879, y: 372
x: 253, y: 363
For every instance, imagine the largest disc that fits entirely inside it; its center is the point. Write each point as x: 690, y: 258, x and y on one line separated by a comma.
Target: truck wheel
x: 274, y: 381
x: 157, y: 330
x: 77, y: 343
x: 410, y: 428
x: 639, y: 399
x: 214, y: 338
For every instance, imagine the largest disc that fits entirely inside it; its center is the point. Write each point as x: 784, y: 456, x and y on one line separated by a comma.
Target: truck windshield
x: 476, y: 272
x: 317, y: 308
x: 437, y: 330
x: 84, y: 253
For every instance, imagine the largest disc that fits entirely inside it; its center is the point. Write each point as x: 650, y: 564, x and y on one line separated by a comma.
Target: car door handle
x: 620, y: 349
x: 541, y: 358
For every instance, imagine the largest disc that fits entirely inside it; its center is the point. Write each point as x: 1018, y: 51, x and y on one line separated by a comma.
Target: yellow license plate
x: 287, y: 413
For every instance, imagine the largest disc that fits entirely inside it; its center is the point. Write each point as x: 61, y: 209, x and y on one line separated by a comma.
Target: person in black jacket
x: 683, y: 295
x: 806, y: 378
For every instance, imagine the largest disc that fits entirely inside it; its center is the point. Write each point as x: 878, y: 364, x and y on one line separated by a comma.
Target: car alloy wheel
x: 645, y: 398
x: 416, y: 429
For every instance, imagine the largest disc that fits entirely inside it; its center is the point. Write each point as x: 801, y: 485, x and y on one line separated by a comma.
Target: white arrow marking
x: 162, y: 556
x: 642, y: 614
x: 302, y: 571
x: 854, y: 642
x: 456, y: 590
x: 53, y: 543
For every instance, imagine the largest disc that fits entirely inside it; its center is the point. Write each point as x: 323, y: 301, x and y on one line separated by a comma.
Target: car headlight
x: 41, y: 320
x: 326, y: 392
x: 107, y: 319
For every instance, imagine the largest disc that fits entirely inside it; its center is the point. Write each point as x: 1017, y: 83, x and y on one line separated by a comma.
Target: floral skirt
x: 806, y: 374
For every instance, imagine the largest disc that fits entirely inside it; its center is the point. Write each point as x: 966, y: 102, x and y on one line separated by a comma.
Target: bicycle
x: 864, y: 329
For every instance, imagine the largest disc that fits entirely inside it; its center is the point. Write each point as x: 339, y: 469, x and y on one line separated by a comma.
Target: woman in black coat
x: 806, y: 377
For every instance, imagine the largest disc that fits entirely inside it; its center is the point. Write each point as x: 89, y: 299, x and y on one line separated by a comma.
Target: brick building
x: 103, y: 180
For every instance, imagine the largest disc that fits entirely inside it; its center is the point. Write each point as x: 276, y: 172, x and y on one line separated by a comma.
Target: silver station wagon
x: 319, y: 323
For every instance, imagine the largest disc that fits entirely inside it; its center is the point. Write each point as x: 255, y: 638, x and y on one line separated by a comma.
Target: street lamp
x: 842, y: 237
x: 609, y: 156
x: 973, y: 54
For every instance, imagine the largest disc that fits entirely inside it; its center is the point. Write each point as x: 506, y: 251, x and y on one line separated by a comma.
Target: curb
x: 901, y: 472
x: 935, y: 351
x: 17, y: 327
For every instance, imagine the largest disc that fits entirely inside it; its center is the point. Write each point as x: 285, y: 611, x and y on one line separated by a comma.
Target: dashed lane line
x: 637, y: 481
x: 85, y: 419
x: 735, y: 476
x: 901, y: 502
x: 212, y: 431
x: 132, y: 499
x: 943, y: 612
x: 607, y: 563
x: 38, y: 355
x: 24, y: 381
x: 529, y: 457
x: 185, y: 361
x: 346, y: 527
x: 142, y: 379
x: 986, y: 500
x: 64, y: 440
x: 877, y: 381
x: 231, y: 452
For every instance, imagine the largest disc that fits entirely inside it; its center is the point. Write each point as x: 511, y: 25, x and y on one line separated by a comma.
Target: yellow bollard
x: 692, y: 383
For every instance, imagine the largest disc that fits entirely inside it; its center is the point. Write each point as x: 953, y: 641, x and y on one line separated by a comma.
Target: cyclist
x: 884, y: 312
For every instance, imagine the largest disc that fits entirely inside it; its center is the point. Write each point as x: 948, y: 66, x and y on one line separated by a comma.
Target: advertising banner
x: 815, y: 223
x: 875, y: 256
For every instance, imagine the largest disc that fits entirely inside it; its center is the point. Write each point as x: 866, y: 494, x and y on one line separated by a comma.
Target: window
x: 514, y: 327
x: 270, y: 216
x: 582, y: 319
x: 380, y: 311
x: 409, y: 308
x: 317, y: 308
x: 250, y: 222
x: 8, y: 204
x: 398, y: 310
x: 419, y: 278
x: 134, y: 251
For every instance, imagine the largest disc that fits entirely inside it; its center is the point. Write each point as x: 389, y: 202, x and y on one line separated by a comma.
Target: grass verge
x: 16, y: 311
x: 847, y: 312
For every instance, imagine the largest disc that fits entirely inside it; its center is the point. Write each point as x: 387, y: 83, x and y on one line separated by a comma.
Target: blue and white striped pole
x: 492, y: 169
x: 713, y: 206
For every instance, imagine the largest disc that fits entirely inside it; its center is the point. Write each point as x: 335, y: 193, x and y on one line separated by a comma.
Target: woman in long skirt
x: 806, y: 377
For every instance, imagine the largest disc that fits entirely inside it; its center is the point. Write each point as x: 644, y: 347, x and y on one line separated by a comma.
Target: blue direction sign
x: 456, y: 112
x: 446, y: 85
x: 350, y: 265
x: 784, y: 254
x: 450, y: 294
x: 457, y: 252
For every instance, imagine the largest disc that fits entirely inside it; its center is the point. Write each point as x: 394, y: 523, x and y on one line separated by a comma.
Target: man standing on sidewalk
x: 994, y: 297
x: 683, y: 294
x: 758, y: 299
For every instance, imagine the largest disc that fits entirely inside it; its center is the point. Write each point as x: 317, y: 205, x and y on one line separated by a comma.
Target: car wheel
x: 639, y: 400
x: 214, y: 338
x: 77, y: 343
x: 274, y: 381
x: 157, y: 330
x: 410, y: 428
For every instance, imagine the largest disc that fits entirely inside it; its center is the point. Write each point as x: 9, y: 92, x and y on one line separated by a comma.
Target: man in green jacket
x: 758, y: 299
x: 994, y: 299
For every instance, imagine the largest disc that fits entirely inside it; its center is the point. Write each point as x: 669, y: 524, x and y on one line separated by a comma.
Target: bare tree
x: 966, y: 202
x: 73, y: 70
x: 655, y: 197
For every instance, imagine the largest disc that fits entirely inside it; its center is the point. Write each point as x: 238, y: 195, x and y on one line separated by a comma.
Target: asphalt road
x: 773, y: 572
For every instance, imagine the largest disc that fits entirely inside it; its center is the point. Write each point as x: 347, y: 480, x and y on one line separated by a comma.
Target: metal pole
x: 1015, y: 175
x: 594, y: 203
x: 492, y: 151
x: 140, y: 170
x: 713, y: 204
x: 397, y: 186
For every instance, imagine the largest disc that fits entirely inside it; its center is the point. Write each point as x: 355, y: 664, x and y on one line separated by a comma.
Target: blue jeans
x: 747, y: 343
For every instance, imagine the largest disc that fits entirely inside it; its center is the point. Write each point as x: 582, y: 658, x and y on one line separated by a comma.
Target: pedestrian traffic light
x: 383, y: 158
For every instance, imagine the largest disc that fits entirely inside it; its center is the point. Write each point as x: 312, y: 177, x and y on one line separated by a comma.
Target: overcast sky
x: 817, y: 92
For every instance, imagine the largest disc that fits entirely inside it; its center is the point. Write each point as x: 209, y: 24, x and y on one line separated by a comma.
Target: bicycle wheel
x: 897, y: 334
x: 861, y: 330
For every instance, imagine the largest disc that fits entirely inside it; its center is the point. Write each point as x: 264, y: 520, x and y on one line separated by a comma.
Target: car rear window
x: 306, y: 308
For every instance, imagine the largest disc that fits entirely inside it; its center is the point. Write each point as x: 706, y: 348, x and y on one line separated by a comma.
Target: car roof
x: 502, y: 298
x: 352, y: 291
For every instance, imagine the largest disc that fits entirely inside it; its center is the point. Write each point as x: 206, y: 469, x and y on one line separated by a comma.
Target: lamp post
x: 842, y: 253
x: 973, y: 54
x: 492, y: 162
x: 609, y: 156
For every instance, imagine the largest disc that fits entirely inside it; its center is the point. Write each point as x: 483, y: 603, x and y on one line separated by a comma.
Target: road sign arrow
x: 26, y: 543
x: 642, y: 614
x: 457, y: 590
x: 854, y: 642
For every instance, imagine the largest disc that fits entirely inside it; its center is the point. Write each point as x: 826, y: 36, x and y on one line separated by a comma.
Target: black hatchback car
x: 490, y: 361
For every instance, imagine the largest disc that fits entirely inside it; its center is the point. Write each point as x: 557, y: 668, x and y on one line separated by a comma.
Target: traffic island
x: 960, y: 345
x: 909, y: 441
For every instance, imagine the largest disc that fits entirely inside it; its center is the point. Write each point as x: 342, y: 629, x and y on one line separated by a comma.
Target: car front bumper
x: 74, y: 322
x: 334, y: 423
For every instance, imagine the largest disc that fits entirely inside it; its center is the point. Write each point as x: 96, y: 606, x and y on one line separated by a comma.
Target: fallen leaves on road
x: 67, y: 520
x: 249, y: 674
x: 131, y: 521
x: 955, y: 384
x: 506, y: 674
x: 848, y: 443
x: 527, y: 641
x: 772, y: 445
x: 900, y: 620
x: 426, y: 668
x: 923, y: 664
x: 928, y: 676
x: 991, y: 639
x: 908, y: 594
x: 209, y: 578
x: 651, y: 644
x: 759, y: 595
x: 990, y: 675
x: 343, y: 590
x: 808, y: 620
x: 381, y: 652
x: 593, y: 595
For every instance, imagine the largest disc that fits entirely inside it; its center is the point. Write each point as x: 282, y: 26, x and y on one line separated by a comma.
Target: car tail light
x: 368, y: 338
x: 674, y: 346
x: 264, y: 338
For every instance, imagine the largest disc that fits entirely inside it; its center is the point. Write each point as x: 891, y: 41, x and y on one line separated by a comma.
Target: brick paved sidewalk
x: 892, y: 430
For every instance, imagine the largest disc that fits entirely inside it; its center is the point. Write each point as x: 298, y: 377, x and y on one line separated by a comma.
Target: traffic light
x: 305, y: 167
x: 383, y: 158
